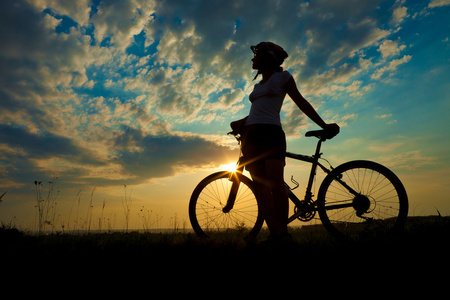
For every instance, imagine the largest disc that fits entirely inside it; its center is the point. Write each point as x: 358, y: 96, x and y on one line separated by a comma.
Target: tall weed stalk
x: 89, y: 213
x: 126, y: 203
x: 46, y: 204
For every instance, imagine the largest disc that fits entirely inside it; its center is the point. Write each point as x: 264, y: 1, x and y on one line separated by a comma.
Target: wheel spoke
x: 381, y: 203
x: 209, y: 198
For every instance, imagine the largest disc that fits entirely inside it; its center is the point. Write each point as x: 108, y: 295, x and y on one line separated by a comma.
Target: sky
x: 124, y: 105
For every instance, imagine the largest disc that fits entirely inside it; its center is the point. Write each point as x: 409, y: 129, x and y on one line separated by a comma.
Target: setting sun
x: 229, y: 167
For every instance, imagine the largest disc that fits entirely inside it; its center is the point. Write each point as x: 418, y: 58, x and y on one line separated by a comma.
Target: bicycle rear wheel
x: 206, y: 206
x: 362, y: 199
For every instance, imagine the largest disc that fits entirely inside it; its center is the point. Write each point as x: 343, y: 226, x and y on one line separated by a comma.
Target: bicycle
x: 356, y: 198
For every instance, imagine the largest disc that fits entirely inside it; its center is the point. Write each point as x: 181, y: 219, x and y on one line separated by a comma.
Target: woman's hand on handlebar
x: 332, y: 128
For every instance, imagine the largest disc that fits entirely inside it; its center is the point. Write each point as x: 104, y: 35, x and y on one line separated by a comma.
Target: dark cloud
x: 45, y: 145
x: 20, y: 27
x: 149, y: 156
x: 140, y: 156
x: 334, y: 30
x: 21, y: 153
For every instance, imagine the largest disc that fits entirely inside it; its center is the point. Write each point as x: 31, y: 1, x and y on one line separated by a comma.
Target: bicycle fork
x: 234, y: 178
x: 233, y: 192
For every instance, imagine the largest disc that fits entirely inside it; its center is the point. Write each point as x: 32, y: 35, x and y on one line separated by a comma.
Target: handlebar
x: 324, y: 134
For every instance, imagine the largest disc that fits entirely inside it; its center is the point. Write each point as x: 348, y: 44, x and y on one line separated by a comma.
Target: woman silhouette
x: 263, y: 139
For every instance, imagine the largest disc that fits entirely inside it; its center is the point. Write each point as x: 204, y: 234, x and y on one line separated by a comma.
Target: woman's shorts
x: 261, y: 142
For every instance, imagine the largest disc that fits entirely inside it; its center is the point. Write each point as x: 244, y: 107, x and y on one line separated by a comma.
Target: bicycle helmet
x: 274, y: 55
x: 274, y: 50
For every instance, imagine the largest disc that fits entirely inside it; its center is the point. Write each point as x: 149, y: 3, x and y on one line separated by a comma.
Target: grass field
x: 424, y: 244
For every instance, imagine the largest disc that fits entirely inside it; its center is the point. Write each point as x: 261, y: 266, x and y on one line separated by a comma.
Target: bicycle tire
x: 382, y: 203
x: 210, y: 196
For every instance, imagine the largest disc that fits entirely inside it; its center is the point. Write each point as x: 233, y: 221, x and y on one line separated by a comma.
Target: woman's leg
x: 272, y: 195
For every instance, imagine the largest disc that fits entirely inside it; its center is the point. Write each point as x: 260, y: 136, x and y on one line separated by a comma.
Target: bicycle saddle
x: 322, y: 134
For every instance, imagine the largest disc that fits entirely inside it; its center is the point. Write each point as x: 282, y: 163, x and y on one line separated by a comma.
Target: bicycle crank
x: 305, y: 211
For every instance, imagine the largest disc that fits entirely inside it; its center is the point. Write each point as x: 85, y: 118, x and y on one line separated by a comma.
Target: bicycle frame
x: 309, y: 206
x: 314, y: 160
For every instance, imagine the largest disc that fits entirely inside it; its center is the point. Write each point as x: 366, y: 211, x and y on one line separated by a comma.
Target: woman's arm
x: 304, y: 105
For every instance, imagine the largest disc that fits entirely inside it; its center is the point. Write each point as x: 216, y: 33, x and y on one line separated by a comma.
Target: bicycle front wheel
x: 206, y: 206
x: 362, y: 199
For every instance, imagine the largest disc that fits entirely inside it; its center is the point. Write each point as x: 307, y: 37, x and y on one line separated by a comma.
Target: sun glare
x: 229, y: 167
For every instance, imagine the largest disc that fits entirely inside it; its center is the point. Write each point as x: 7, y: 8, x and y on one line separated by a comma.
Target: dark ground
x: 422, y: 250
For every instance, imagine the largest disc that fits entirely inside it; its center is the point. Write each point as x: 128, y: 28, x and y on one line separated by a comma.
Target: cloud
x: 37, y: 67
x: 78, y: 10
x: 438, y: 3
x: 134, y: 157
x: 50, y: 125
x: 410, y: 160
x: 115, y: 90
x: 400, y: 12
x: 390, y: 48
x: 391, y: 67
x: 121, y: 20
x: 44, y: 145
x: 349, y: 117
x: 383, y: 116
x: 23, y: 152
x: 294, y: 123
x: 386, y: 148
x: 149, y: 156
x: 355, y: 28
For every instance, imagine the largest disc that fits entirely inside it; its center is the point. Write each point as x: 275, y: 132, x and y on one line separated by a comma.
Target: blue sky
x: 141, y: 93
